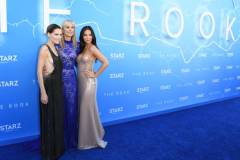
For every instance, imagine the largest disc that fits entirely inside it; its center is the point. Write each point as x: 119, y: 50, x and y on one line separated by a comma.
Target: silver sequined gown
x: 91, y: 132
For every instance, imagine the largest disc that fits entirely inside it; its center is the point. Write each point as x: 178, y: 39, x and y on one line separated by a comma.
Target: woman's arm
x: 42, y: 57
x: 99, y: 56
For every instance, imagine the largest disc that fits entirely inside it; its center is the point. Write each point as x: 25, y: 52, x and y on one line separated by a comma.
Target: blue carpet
x: 209, y: 132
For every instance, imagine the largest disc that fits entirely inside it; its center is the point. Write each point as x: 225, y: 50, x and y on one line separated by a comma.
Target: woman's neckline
x: 67, y: 41
x: 51, y: 48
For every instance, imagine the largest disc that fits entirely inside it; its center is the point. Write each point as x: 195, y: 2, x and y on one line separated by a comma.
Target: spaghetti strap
x: 51, y: 51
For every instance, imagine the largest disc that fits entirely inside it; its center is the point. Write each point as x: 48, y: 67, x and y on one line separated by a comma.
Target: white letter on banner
x: 133, y: 19
x: 179, y: 13
x: 3, y: 15
x: 48, y: 11
x: 205, y: 35
x: 229, y: 28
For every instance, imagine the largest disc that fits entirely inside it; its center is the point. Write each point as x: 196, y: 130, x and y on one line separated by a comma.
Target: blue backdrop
x: 164, y: 55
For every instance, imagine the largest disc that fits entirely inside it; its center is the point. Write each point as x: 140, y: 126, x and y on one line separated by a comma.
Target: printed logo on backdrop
x: 185, y: 70
x: 142, y: 106
x: 165, y: 102
x: 165, y: 87
x: 11, y: 127
x: 216, y: 80
x: 117, y: 56
x: 116, y: 110
x: 14, y: 106
x: 183, y: 98
x: 216, y: 67
x: 143, y: 90
x: 238, y: 88
x: 226, y: 90
x: 8, y: 58
x: 166, y: 71
x: 186, y: 84
x: 116, y: 75
x: 144, y: 74
x: 201, y: 82
x: 229, y: 79
x: 200, y: 95
x: 144, y: 56
x: 238, y: 77
x: 117, y: 93
x: 9, y: 84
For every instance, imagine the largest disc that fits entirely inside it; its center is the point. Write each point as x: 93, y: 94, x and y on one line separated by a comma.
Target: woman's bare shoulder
x: 93, y: 48
x: 43, y: 50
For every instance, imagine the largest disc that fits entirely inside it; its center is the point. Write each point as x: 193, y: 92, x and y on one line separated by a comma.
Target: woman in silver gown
x: 91, y: 132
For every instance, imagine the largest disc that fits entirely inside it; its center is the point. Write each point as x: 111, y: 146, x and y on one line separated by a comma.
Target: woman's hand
x: 90, y: 74
x: 44, y: 98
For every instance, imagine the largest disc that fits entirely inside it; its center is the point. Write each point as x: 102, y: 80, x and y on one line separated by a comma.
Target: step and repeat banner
x: 164, y: 55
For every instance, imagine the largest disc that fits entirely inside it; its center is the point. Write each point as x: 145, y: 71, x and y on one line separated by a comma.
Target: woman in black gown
x: 51, y: 96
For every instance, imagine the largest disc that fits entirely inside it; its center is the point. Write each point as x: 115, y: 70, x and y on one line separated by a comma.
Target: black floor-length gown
x: 52, y: 113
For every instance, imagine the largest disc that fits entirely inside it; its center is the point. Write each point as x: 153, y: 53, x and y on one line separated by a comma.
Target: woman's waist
x: 85, y: 69
x: 50, y: 77
x: 68, y: 67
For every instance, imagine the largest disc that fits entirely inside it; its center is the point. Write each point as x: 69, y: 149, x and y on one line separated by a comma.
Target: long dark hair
x: 82, y: 44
